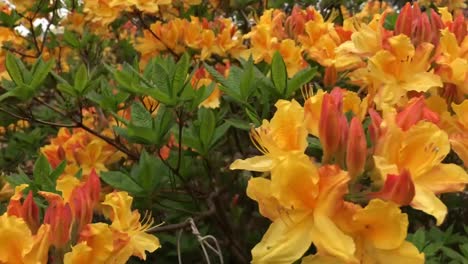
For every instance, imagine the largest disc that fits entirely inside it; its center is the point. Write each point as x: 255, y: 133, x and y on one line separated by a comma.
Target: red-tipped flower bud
x: 397, y: 188
x: 356, y: 151
x: 329, y: 127
x: 415, y: 111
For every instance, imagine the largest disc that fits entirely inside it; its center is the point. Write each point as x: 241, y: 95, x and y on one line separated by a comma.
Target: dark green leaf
x: 121, y: 181
x: 278, y: 73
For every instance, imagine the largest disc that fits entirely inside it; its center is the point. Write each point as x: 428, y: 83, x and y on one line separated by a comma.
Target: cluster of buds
x: 343, y: 142
x: 419, y: 26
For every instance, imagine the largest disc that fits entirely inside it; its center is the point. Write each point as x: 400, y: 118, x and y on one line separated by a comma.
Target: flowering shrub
x: 200, y: 131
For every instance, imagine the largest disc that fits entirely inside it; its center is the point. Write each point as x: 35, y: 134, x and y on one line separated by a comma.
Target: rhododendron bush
x: 185, y: 131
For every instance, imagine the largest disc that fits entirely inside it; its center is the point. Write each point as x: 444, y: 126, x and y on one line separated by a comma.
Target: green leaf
x: 58, y: 171
x: 121, y: 181
x: 18, y: 179
x: 180, y: 75
x: 239, y: 123
x: 219, y: 133
x: 278, y: 73
x: 418, y: 238
x: 140, y: 116
x: 81, y: 79
x: 247, y: 79
x: 454, y: 255
x: 299, y: 79
x: 41, y: 174
x: 14, y: 69
x: 207, y: 125
x: 70, y: 38
x: 253, y: 117
x: 40, y: 72
x: 148, y: 172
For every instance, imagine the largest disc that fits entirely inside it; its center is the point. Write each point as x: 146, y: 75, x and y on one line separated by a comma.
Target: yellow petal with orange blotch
x: 426, y: 201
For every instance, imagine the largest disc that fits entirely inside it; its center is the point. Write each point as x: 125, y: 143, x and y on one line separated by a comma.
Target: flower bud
x: 421, y: 30
x: 27, y: 210
x: 374, y: 127
x: 330, y: 76
x: 404, y: 21
x: 459, y: 28
x: 397, y: 188
x: 415, y: 111
x: 356, y: 151
x: 329, y: 127
x: 59, y: 217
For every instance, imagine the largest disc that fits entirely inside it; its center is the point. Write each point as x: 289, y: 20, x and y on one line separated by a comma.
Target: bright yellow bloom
x: 124, y: 220
x: 142, y: 5
x: 19, y: 245
x: 96, y: 246
x: 284, y: 134
x: 101, y: 11
x: 294, y: 229
x: 379, y: 231
x: 400, y: 70
x: 421, y: 150
x: 453, y: 65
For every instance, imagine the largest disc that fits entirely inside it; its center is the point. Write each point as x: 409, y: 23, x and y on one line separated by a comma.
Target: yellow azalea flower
x: 19, y: 245
x: 400, y: 70
x: 212, y: 101
x: 294, y: 229
x: 421, y: 150
x: 142, y: 5
x: 96, y: 246
x: 459, y: 137
x: 379, y: 231
x: 453, y: 65
x: 101, y: 11
x: 117, y: 207
x: 284, y: 134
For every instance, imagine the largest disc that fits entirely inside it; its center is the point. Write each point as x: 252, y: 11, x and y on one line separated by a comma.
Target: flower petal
x: 426, y: 201
x: 257, y: 163
x: 444, y: 178
x: 285, y: 241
